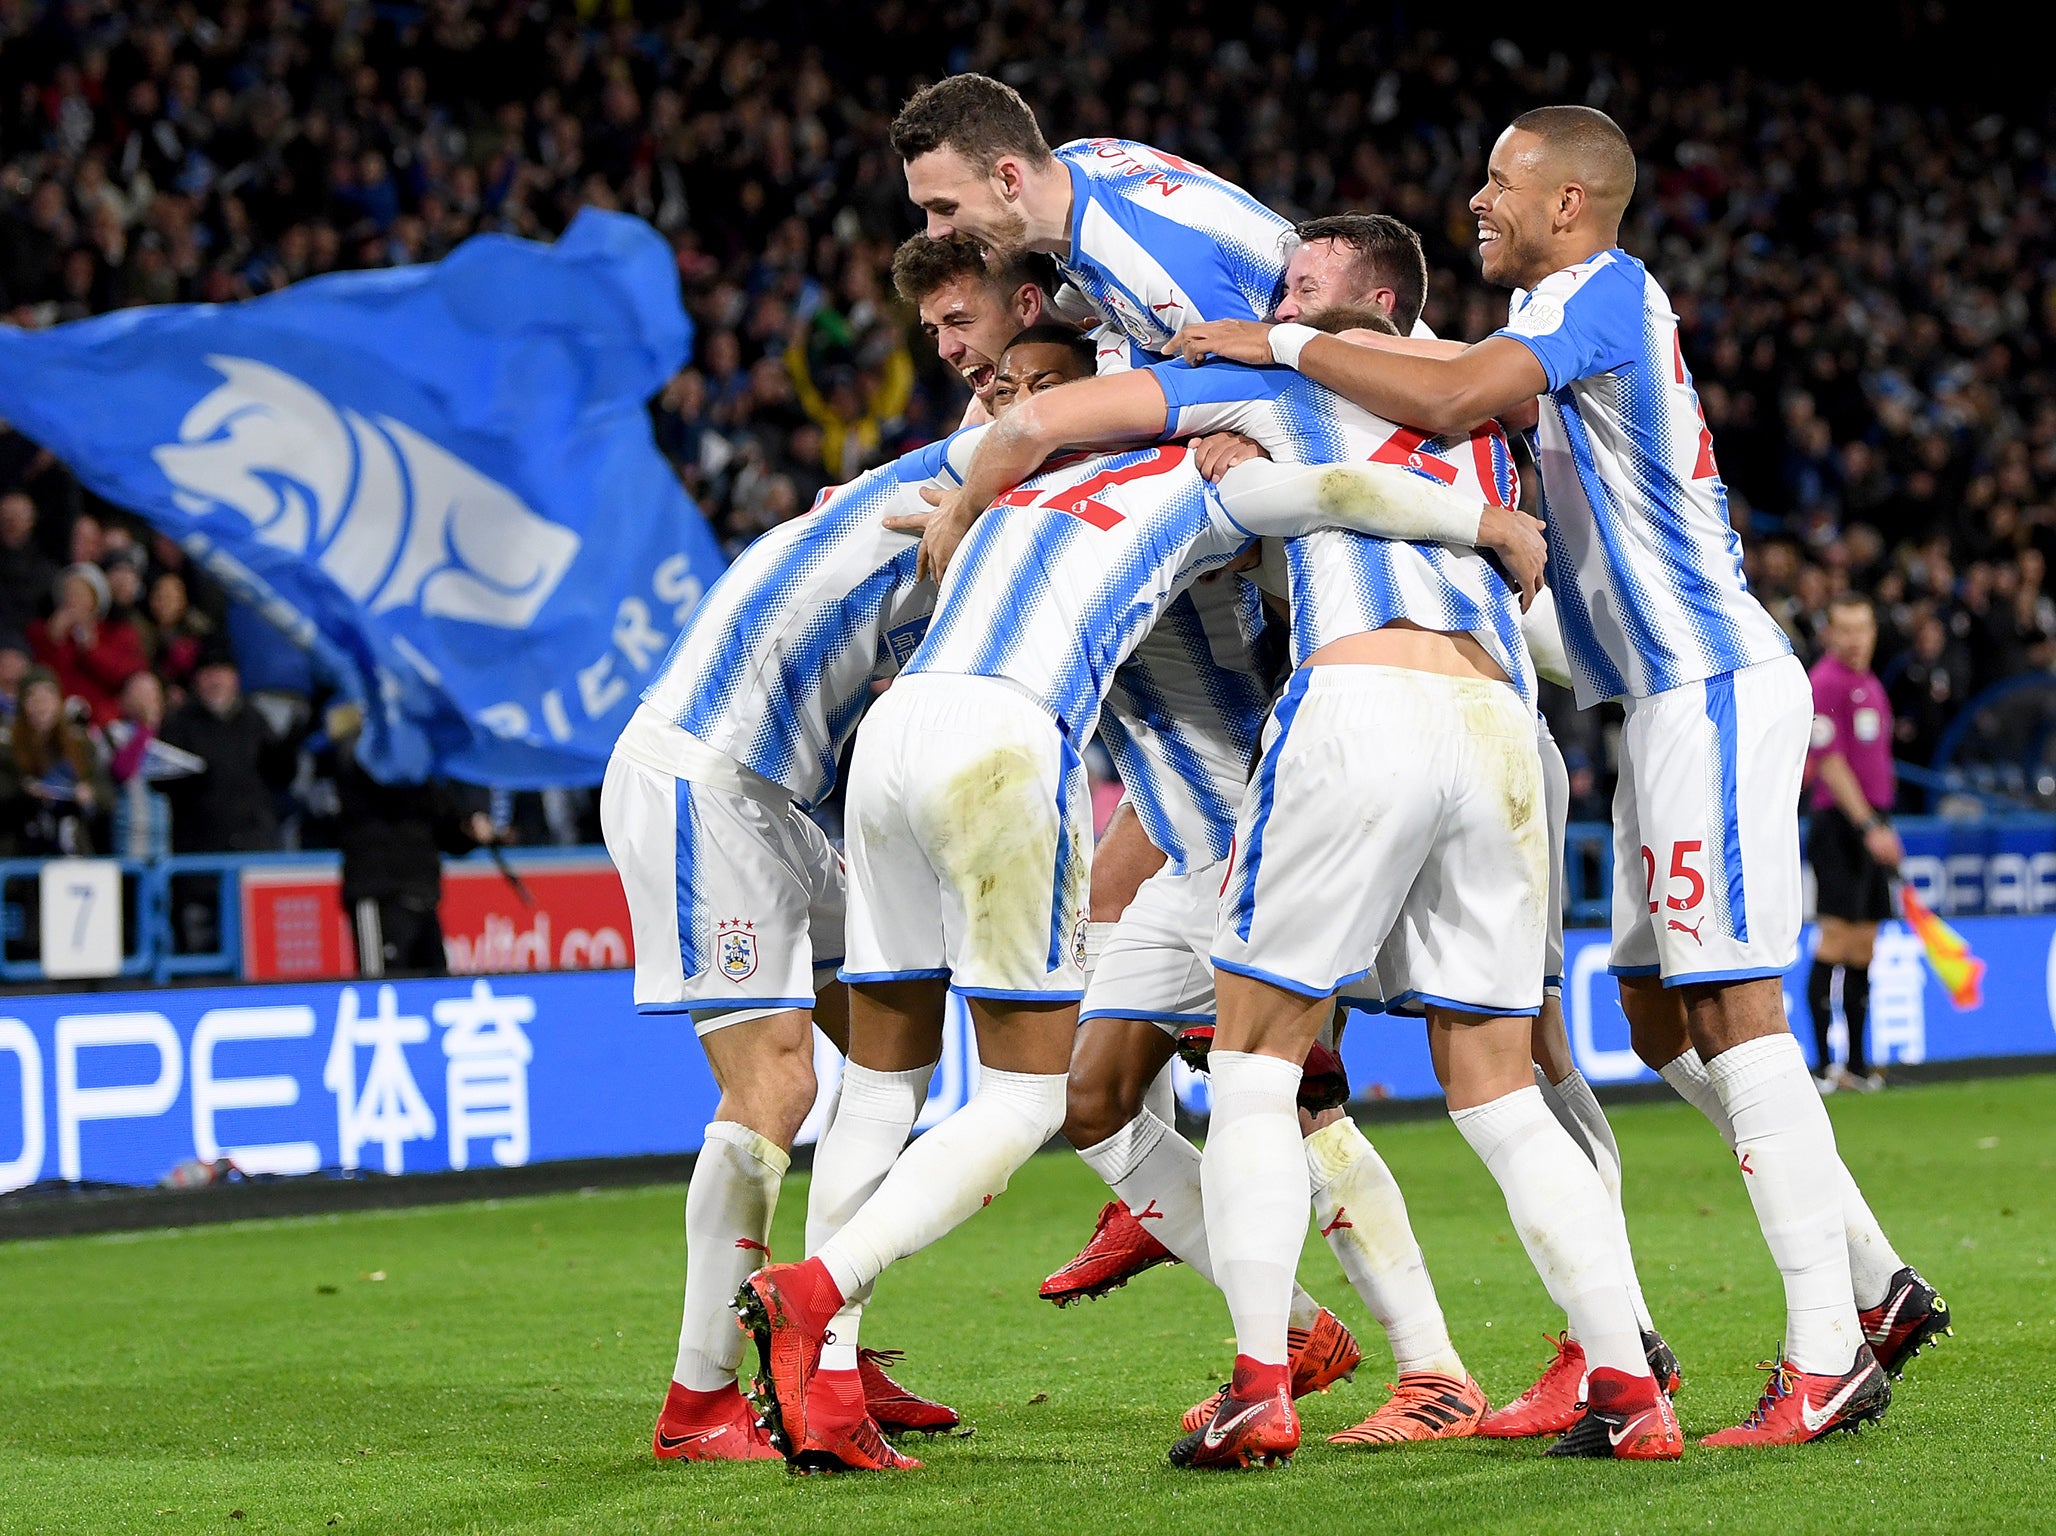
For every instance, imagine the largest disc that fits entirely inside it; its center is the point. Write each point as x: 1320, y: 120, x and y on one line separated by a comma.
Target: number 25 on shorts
x: 1680, y: 869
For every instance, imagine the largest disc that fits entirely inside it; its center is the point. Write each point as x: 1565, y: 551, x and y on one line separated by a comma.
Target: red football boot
x: 1323, y: 1084
x: 786, y: 1308
x: 709, y: 1426
x: 1319, y: 1356
x: 1254, y: 1424
x: 841, y: 1436
x: 1797, y: 1407
x: 1627, y: 1418
x: 1121, y: 1248
x: 1550, y: 1406
x: 896, y: 1410
x: 1425, y: 1405
x: 1905, y: 1322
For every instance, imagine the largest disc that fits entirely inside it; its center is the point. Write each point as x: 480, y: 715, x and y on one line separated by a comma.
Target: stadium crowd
x: 1866, y: 286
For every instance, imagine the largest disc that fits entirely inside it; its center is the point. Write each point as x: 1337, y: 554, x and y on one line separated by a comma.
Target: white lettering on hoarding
x: 213, y: 1094
x: 26, y: 1166
x: 123, y: 1101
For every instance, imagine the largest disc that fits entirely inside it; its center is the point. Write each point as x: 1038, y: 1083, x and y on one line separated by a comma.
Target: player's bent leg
x: 938, y: 1182
x: 1360, y: 1210
x: 1785, y: 1147
x: 1558, y: 1205
x: 1113, y: 1064
x: 1900, y: 1313
x: 1576, y: 1108
x: 765, y: 1068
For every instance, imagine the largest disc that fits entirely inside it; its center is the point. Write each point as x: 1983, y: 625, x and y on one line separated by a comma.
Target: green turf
x: 497, y: 1366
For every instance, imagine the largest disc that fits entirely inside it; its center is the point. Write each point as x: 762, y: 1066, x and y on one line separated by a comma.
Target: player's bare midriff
x: 1405, y: 644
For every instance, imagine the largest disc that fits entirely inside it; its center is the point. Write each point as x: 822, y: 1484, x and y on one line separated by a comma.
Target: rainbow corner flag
x: 1961, y: 973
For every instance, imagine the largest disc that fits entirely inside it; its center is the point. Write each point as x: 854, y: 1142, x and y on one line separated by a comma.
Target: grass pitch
x: 498, y: 1366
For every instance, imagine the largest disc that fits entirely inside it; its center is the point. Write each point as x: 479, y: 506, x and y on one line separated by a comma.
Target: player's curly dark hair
x: 1388, y: 254
x: 1051, y: 333
x: 977, y: 116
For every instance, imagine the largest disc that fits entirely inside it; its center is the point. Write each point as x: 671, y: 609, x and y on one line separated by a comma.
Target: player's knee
x: 778, y: 1092
x: 1096, y: 1104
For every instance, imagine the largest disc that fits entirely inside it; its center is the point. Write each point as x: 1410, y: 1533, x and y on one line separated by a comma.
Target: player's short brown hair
x: 977, y: 116
x: 1337, y: 318
x: 1388, y: 254
x: 924, y: 263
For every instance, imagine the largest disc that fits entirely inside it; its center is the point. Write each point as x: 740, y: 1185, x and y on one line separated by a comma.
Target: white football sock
x: 948, y: 1174
x: 1578, y: 1112
x: 1786, y: 1148
x: 1359, y: 1209
x: 874, y: 1114
x: 1161, y: 1098
x: 1156, y: 1171
x: 1872, y: 1261
x: 1253, y: 1176
x: 1559, y: 1208
x: 728, y: 1210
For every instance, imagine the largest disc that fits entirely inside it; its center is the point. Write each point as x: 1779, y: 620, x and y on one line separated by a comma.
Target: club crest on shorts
x: 737, y: 942
x: 1078, y: 949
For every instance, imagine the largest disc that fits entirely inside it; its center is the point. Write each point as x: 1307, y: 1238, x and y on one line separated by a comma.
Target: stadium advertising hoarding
x: 1995, y: 865
x: 420, y: 1076
x: 569, y: 914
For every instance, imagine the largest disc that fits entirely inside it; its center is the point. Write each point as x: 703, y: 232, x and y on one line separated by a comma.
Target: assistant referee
x: 1851, y: 845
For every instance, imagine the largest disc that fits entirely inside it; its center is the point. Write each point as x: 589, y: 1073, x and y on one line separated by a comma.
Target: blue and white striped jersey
x: 1646, y: 567
x: 1056, y: 585
x: 1345, y: 583
x: 775, y: 667
x: 1184, y: 717
x: 1158, y: 243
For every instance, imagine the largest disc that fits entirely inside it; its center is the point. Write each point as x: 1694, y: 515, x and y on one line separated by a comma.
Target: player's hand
x: 1516, y: 539
x: 1239, y: 341
x: 1883, y: 844
x: 1218, y: 452
x: 941, y: 530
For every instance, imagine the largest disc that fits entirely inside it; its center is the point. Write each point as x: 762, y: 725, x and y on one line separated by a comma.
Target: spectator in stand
x: 142, y: 811
x: 126, y: 568
x: 15, y: 661
x: 228, y: 807
x: 862, y: 389
x: 1850, y: 843
x: 26, y: 573
x: 91, y: 652
x: 1931, y: 685
x: 52, y: 789
x: 181, y: 631
x: 393, y: 840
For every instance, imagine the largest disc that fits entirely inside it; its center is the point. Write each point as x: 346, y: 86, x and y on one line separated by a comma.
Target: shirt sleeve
x: 1217, y: 397
x: 1581, y: 322
x: 1269, y: 500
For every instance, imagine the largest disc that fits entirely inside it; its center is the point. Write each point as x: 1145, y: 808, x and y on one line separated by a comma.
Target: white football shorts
x: 1155, y: 963
x: 735, y: 898
x: 1556, y: 799
x: 1395, y: 825
x: 968, y: 837
x: 1706, y: 827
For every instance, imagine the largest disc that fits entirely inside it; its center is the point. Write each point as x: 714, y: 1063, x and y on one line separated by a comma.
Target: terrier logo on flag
x: 391, y: 517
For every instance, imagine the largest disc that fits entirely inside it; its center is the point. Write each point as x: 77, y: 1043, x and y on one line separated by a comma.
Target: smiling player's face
x: 971, y: 324
x: 960, y: 201
x: 1514, y: 212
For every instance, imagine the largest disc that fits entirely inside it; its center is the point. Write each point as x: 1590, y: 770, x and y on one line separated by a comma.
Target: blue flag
x: 440, y: 480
